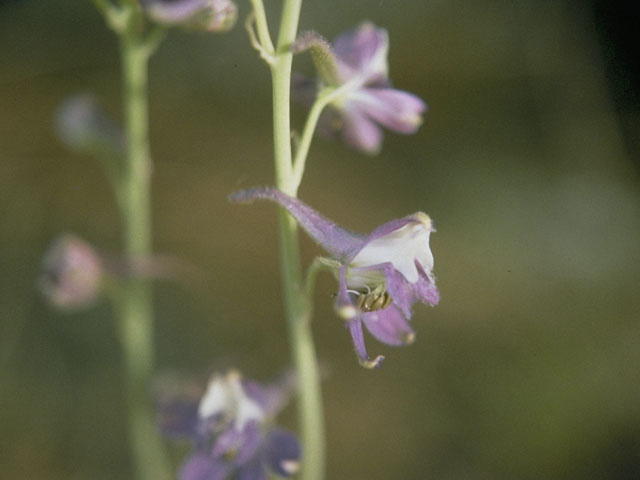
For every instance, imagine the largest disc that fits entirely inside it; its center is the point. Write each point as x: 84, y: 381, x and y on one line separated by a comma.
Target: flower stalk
x: 136, y: 312
x: 134, y: 299
x: 310, y: 410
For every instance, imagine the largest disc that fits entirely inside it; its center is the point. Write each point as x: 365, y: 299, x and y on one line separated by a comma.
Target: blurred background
x: 527, y: 161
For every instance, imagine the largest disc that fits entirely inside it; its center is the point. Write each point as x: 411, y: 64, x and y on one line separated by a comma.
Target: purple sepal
x: 358, y: 50
x: 389, y: 326
x: 201, y: 466
x: 425, y: 289
x: 397, y: 110
x: 282, y: 452
x: 242, y: 444
x: 355, y: 329
x: 339, y: 242
x: 274, y: 396
x: 360, y: 132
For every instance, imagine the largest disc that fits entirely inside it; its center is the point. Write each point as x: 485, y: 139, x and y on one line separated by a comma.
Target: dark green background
x: 528, y: 368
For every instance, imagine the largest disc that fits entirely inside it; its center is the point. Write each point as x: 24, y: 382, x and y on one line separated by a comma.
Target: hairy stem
x: 136, y: 308
x: 310, y: 411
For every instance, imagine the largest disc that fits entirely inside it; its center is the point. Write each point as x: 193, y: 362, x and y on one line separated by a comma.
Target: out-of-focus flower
x: 357, y: 63
x: 71, y: 274
x: 231, y: 428
x: 84, y: 127
x: 380, y: 275
x: 202, y: 15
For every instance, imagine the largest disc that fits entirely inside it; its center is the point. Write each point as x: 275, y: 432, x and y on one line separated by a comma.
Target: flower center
x: 373, y: 300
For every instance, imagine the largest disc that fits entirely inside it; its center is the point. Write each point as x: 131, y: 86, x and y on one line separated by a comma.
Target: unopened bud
x: 201, y: 15
x: 84, y: 127
x: 71, y: 274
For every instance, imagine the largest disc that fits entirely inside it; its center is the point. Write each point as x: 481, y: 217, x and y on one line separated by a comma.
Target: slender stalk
x: 310, y: 412
x: 136, y: 308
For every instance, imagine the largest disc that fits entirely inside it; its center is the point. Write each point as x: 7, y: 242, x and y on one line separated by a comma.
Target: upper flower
x: 357, y: 63
x: 380, y: 275
x: 207, y: 15
x: 230, y: 428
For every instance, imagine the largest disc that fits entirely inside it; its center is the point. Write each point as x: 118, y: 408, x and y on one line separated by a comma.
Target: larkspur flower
x: 203, y: 15
x: 357, y: 63
x: 72, y: 273
x: 380, y: 275
x: 231, y: 429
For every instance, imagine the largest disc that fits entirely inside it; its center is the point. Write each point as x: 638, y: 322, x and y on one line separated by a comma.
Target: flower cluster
x: 231, y: 429
x: 380, y: 275
x: 357, y: 64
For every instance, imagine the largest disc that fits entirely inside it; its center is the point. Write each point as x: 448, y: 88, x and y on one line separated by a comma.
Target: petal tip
x: 290, y: 467
x: 371, y: 364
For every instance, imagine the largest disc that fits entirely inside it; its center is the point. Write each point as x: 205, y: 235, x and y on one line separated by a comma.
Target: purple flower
x: 380, y: 275
x: 357, y: 63
x: 231, y: 429
x: 206, y: 15
x: 72, y: 274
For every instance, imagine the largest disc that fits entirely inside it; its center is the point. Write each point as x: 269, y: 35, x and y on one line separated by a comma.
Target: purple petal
x: 333, y: 238
x: 425, y: 288
x: 226, y: 442
x: 344, y: 306
x: 389, y: 326
x: 201, y: 466
x: 272, y: 397
x: 359, y: 50
x: 352, y: 317
x: 355, y: 328
x: 360, y: 132
x: 397, y: 110
x: 251, y: 440
x: 242, y: 444
x: 282, y: 452
x: 400, y: 289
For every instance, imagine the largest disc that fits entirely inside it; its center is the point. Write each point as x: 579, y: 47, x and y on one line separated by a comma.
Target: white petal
x: 217, y: 399
x: 226, y: 396
x: 402, y: 248
x: 246, y: 408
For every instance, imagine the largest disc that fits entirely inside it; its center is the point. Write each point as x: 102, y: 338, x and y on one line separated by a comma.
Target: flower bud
x: 71, y: 274
x: 84, y: 127
x: 200, y: 15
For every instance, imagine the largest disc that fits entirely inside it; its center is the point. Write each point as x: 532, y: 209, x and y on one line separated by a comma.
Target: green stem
x: 310, y: 411
x: 324, y: 98
x: 136, y: 308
